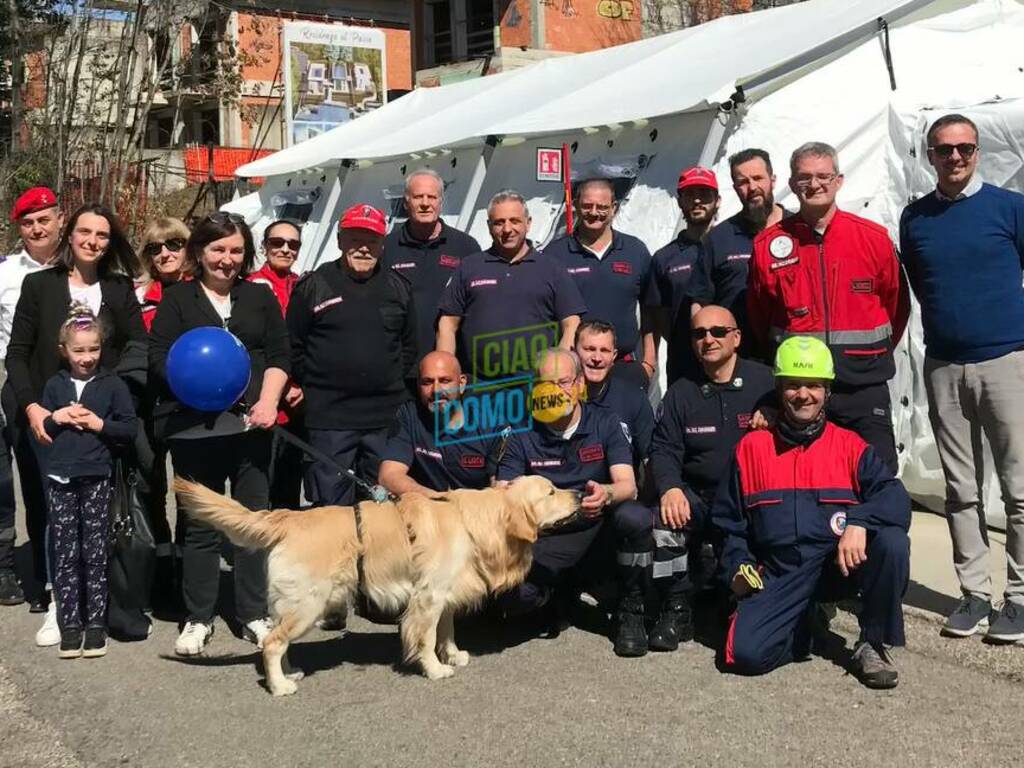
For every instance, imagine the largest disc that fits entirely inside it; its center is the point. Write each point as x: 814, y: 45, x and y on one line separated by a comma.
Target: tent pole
x: 327, y: 218
x: 476, y: 183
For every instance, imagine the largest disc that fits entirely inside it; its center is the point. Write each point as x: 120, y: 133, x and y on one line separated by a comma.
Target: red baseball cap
x: 35, y: 199
x: 363, y: 216
x: 698, y: 177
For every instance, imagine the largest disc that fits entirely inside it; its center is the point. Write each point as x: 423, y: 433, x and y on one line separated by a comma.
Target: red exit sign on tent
x: 549, y: 164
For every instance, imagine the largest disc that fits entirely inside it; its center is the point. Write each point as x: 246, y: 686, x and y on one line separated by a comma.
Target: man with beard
x: 720, y: 277
x: 421, y: 455
x: 811, y: 513
x: 611, y: 270
x: 673, y: 267
x: 425, y: 250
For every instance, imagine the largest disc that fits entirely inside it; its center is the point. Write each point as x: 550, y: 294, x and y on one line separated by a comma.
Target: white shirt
x: 12, y: 273
x: 222, y: 306
x: 599, y: 252
x: 972, y: 188
x: 90, y: 295
x: 80, y: 386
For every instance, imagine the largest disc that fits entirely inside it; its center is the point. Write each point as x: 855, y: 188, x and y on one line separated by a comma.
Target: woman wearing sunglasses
x: 94, y: 265
x: 281, y: 244
x: 163, y: 262
x: 233, y: 445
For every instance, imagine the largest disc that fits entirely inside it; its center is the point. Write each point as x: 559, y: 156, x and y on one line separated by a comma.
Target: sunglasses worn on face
x: 281, y: 242
x: 153, y: 249
x: 717, y: 331
x: 945, y: 151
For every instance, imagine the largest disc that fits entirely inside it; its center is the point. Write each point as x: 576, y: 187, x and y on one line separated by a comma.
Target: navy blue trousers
x: 358, y: 450
x: 769, y: 624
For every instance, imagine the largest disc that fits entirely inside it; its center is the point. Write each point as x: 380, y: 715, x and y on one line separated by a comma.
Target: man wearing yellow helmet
x: 811, y: 514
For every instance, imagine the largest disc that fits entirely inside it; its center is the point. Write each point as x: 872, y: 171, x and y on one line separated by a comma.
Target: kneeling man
x: 811, y: 513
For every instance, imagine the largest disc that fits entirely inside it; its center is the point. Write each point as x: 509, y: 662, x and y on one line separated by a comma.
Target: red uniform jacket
x: 844, y: 287
x: 282, y: 288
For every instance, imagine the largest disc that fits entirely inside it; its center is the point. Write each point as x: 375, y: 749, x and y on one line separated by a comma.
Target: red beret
x: 35, y: 199
x: 698, y: 177
x: 363, y: 216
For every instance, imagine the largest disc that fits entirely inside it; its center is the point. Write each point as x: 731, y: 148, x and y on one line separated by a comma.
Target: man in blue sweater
x: 963, y: 249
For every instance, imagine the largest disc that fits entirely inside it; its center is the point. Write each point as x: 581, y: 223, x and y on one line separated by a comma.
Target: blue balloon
x: 208, y: 369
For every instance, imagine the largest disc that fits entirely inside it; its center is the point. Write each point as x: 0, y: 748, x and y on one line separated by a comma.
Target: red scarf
x: 281, y: 286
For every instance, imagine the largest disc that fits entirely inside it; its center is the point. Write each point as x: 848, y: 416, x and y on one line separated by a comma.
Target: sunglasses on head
x: 945, y: 151
x: 717, y: 331
x: 223, y: 217
x: 153, y: 249
x: 281, y: 242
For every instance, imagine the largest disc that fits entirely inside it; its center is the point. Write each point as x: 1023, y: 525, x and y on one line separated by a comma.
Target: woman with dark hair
x: 281, y: 243
x: 94, y: 265
x: 213, y: 448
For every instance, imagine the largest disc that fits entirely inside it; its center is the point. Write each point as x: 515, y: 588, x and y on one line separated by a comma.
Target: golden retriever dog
x: 431, y: 556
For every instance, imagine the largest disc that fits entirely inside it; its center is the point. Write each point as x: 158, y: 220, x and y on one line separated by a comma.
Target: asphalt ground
x: 522, y: 701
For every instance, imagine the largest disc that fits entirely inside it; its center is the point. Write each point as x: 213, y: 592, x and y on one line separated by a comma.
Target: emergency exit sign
x: 549, y: 164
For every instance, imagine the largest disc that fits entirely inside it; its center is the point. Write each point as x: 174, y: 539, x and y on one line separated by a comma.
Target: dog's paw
x: 440, y: 672
x: 458, y: 658
x: 286, y: 688
x: 295, y: 675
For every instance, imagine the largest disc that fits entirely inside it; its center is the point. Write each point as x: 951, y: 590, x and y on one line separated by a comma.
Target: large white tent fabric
x: 646, y: 110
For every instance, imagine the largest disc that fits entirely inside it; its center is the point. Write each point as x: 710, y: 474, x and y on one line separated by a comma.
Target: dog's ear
x: 521, y: 524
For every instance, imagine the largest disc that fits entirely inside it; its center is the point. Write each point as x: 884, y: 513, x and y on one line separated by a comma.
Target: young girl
x: 91, y: 416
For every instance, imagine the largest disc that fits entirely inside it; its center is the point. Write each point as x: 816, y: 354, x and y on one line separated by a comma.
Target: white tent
x: 774, y: 79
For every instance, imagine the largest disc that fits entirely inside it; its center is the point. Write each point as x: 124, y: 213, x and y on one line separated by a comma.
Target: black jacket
x: 353, y: 346
x: 82, y: 453
x: 32, y: 354
x: 256, y: 321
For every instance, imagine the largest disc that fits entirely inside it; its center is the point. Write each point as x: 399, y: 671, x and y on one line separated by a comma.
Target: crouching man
x: 811, y: 513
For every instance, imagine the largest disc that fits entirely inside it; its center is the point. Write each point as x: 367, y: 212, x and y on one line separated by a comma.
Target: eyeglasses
x: 593, y: 208
x: 717, y: 331
x: 281, y: 242
x: 945, y: 151
x: 153, y: 249
x: 805, y: 180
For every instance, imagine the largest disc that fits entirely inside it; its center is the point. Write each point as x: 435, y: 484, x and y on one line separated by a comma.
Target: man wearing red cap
x: 667, y: 292
x: 39, y: 221
x: 353, y: 335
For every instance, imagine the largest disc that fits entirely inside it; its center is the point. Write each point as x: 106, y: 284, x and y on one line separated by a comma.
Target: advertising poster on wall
x: 332, y: 73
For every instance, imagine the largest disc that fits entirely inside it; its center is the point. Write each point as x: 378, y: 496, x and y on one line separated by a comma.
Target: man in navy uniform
x: 429, y: 448
x: 612, y: 270
x: 425, y: 250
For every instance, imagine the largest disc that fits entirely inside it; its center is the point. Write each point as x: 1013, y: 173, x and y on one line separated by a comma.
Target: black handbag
x: 133, y: 555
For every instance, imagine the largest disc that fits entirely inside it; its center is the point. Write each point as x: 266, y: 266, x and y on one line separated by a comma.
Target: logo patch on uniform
x: 590, y: 453
x: 743, y: 420
x: 478, y: 283
x: 786, y: 263
x: 863, y: 285
x: 780, y: 247
x: 471, y: 462
x: 448, y: 261
x: 838, y: 523
x: 326, y: 304
x: 622, y: 268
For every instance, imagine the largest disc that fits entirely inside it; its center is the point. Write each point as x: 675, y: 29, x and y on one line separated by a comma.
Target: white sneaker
x: 256, y: 631
x: 49, y: 633
x: 193, y: 638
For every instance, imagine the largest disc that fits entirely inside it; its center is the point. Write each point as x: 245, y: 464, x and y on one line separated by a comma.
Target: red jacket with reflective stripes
x: 845, y: 287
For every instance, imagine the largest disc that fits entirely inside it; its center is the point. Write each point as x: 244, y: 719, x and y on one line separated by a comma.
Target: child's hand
x: 65, y: 416
x: 86, y: 419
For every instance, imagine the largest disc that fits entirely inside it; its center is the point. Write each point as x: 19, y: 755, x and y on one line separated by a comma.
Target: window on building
x: 458, y: 30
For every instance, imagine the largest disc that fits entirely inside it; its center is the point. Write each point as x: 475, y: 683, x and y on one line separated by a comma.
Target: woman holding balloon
x: 217, y: 395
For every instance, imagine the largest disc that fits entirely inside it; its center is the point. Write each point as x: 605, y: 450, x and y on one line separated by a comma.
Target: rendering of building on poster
x: 333, y: 74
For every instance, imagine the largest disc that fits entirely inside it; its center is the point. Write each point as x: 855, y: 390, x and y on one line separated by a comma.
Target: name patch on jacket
x: 680, y: 268
x: 738, y: 257
x: 404, y: 265
x: 784, y: 263
x: 448, y: 261
x: 864, y: 285
x: 534, y: 463
x: 478, y: 283
x: 590, y: 453
x: 708, y: 430
x: 622, y: 267
x: 577, y: 270
x: 327, y: 304
x: 471, y: 462
x: 427, y: 452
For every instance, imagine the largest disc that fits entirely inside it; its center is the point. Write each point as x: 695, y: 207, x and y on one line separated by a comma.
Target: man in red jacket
x: 832, y: 275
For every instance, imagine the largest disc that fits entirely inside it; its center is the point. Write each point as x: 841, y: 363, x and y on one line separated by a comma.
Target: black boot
x: 675, y: 625
x: 631, y: 637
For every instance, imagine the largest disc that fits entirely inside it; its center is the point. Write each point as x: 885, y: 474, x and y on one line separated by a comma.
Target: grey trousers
x: 966, y: 401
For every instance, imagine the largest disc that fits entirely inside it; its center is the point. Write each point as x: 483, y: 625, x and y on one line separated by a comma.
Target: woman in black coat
x: 213, y: 448
x: 94, y: 265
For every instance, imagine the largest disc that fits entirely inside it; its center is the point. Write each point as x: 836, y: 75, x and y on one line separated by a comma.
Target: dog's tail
x: 245, y: 528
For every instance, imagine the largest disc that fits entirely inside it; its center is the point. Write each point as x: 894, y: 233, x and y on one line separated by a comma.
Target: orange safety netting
x: 226, y: 160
